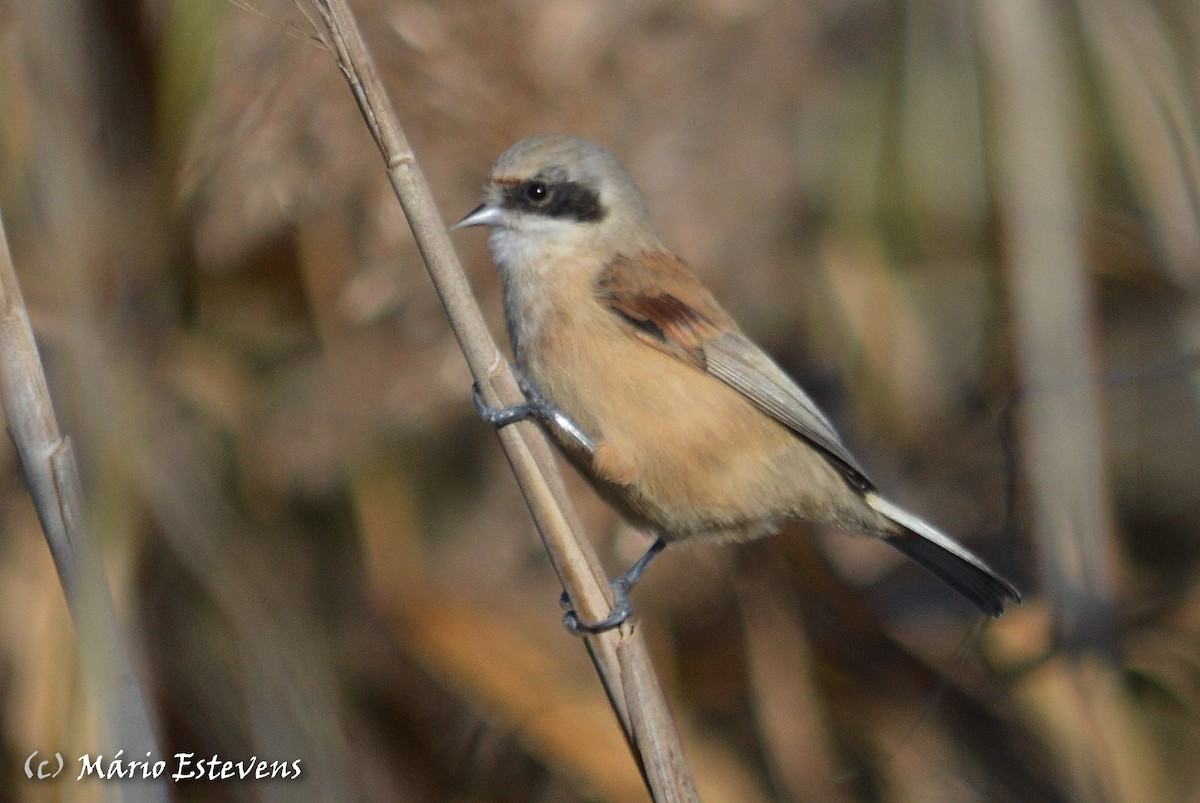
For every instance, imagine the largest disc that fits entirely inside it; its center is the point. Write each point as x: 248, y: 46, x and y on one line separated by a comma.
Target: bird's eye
x: 537, y: 192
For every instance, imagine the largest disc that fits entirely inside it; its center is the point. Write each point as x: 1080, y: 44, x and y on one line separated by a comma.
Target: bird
x: 651, y: 389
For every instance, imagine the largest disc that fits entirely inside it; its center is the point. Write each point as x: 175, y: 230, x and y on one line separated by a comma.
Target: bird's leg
x: 538, y: 408
x: 621, y: 586
x: 535, y: 407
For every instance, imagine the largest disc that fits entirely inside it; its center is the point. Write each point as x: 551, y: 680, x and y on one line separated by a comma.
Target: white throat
x: 537, y: 266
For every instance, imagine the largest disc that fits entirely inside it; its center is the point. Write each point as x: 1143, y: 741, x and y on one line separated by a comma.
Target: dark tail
x: 943, y: 556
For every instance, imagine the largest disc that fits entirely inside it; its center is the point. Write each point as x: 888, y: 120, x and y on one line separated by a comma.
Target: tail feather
x: 944, y: 557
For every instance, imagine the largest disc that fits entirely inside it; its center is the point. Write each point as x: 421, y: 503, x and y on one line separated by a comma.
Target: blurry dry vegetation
x: 319, y: 549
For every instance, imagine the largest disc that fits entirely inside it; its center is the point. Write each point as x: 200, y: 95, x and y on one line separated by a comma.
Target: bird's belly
x: 681, y: 452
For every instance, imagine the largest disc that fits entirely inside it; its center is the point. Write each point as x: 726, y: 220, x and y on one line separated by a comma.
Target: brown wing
x: 648, y: 292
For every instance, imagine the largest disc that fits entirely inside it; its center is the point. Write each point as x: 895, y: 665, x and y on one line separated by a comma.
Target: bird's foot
x: 622, y: 607
x: 536, y: 407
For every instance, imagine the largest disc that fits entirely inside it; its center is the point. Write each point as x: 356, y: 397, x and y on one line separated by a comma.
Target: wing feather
x: 647, y: 292
x: 737, y: 362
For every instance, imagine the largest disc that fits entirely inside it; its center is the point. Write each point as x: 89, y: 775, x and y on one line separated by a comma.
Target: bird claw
x: 621, y: 611
x: 622, y: 606
x: 536, y: 407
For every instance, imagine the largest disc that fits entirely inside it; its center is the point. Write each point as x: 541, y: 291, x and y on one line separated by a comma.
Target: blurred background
x: 970, y: 229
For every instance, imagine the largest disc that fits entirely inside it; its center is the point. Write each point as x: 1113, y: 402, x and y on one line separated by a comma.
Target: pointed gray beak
x: 482, y: 215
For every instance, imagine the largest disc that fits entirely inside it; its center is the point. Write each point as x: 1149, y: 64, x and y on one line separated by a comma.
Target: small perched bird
x: 652, y: 391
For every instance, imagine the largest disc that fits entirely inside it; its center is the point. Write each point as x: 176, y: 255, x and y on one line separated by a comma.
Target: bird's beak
x: 482, y: 215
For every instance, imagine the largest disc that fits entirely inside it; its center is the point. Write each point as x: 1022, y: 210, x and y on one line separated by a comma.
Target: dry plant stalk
x: 1062, y: 421
x: 620, y: 656
x: 48, y: 463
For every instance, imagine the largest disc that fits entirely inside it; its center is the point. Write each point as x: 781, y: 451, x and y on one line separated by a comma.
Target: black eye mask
x: 562, y: 199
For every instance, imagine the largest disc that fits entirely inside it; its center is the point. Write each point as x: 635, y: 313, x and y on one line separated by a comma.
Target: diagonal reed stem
x: 620, y: 656
x: 48, y: 463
